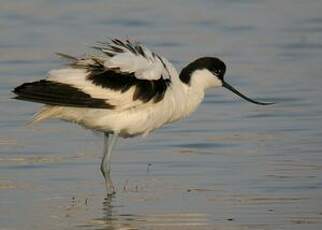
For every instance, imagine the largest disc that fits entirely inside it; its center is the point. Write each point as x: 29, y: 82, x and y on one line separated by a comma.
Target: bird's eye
x: 216, y: 71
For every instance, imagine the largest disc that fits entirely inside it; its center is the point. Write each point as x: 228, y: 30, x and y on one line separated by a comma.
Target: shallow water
x: 231, y: 165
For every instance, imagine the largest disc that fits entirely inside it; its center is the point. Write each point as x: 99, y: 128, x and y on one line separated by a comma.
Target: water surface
x: 231, y: 165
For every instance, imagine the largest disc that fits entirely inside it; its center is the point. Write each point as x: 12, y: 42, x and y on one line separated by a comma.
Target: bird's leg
x: 109, y: 142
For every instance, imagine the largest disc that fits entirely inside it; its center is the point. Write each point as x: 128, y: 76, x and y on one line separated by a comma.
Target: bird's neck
x: 190, y: 99
x: 190, y: 91
x: 195, y: 88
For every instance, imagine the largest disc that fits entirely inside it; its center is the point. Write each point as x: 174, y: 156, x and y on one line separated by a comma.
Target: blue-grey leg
x: 109, y: 142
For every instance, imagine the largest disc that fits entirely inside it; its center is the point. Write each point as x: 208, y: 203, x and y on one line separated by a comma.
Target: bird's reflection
x: 108, y: 208
x: 112, y: 219
x: 109, y: 218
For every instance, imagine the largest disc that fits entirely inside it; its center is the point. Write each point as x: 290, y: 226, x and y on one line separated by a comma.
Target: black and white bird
x: 124, y: 90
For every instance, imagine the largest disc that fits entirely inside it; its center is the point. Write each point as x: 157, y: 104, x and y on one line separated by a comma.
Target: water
x: 231, y: 165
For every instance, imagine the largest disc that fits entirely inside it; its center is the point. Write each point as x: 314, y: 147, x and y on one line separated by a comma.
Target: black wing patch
x: 114, y: 79
x: 145, y: 90
x: 55, y: 93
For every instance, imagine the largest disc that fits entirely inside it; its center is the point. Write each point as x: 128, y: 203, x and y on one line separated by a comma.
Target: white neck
x: 195, y: 91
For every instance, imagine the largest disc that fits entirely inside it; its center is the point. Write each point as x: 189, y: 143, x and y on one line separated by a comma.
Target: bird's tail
x: 44, y: 113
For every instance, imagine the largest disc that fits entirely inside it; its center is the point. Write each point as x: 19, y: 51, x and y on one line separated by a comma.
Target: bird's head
x: 208, y: 72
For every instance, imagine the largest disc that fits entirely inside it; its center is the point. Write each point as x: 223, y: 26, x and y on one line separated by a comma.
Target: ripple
x: 168, y: 220
x: 205, y: 145
x: 126, y: 22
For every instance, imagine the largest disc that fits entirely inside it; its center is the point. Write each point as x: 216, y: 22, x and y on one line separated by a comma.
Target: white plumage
x: 126, y: 91
x: 130, y: 117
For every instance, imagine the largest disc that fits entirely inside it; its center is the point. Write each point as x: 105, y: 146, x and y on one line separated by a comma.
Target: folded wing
x: 126, y: 75
x: 55, y: 93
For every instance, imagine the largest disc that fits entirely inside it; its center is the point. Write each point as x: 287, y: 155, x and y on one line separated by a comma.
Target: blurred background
x: 231, y: 165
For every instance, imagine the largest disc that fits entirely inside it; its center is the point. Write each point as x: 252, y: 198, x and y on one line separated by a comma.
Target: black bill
x: 227, y: 86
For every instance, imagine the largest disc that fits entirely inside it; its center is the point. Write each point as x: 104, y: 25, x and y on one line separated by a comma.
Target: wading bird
x: 124, y: 90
